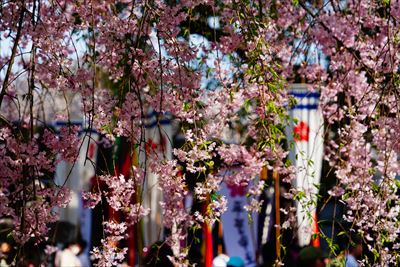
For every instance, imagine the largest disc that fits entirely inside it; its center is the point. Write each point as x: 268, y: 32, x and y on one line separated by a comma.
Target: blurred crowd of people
x: 157, y: 255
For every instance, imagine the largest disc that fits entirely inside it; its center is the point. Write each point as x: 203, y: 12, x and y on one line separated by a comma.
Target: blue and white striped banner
x: 306, y: 133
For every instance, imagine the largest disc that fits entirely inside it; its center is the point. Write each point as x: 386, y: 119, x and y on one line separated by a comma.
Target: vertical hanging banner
x: 159, y: 134
x: 305, y: 137
x: 239, y: 234
x: 68, y: 174
x: 87, y: 170
x: 77, y: 177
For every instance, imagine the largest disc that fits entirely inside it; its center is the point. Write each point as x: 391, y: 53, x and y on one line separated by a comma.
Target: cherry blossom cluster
x: 27, y: 195
x: 110, y: 254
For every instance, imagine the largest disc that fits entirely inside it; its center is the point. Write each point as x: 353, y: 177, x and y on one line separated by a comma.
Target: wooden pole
x: 275, y: 176
x: 220, y: 236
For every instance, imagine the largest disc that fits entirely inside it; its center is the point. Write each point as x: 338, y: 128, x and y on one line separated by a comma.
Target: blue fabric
x: 351, y: 261
x: 235, y: 262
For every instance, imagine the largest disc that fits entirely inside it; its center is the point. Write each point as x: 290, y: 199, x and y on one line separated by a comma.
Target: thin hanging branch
x: 13, y: 54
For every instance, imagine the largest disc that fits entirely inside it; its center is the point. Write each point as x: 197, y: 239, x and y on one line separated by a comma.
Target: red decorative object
x: 301, y: 132
x: 237, y: 190
x: 150, y: 146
